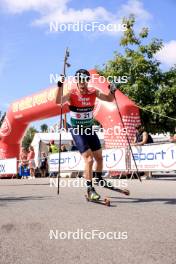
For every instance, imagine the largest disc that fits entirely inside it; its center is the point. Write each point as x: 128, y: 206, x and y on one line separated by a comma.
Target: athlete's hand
x: 112, y: 87
x: 61, y: 80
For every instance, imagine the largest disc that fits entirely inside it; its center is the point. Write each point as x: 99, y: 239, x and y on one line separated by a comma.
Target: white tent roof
x: 65, y: 137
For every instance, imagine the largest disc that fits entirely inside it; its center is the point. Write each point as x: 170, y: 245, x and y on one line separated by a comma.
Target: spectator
x: 63, y: 148
x: 31, y: 162
x: 173, y: 137
x: 43, y: 165
x: 142, y: 137
x: 23, y: 165
x: 72, y: 146
x: 53, y: 147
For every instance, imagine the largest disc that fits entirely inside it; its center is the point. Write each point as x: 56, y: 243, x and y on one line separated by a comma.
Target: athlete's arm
x: 65, y: 98
x: 107, y: 97
x: 104, y: 97
x: 59, y: 93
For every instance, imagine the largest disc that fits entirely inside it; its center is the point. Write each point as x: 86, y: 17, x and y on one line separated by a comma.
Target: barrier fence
x: 152, y: 157
x: 8, y: 166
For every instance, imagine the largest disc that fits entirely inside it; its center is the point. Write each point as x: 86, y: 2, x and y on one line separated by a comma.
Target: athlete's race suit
x: 81, y: 113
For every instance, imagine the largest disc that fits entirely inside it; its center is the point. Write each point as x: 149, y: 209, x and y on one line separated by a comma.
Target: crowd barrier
x: 8, y: 166
x: 72, y: 161
x: 152, y: 157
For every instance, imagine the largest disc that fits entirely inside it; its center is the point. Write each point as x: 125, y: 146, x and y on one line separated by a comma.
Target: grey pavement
x: 30, y: 210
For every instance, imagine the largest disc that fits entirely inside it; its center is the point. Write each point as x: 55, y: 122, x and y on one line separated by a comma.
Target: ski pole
x: 66, y: 64
x: 137, y: 172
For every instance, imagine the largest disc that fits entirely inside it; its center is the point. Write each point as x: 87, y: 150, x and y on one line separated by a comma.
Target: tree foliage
x: 30, y: 133
x: 149, y: 87
x: 44, y: 128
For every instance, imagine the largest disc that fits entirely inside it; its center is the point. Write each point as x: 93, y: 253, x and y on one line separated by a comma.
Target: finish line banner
x: 154, y: 157
x: 8, y: 166
x: 113, y: 160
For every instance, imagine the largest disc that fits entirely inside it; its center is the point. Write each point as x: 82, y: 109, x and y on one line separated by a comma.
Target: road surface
x: 35, y: 224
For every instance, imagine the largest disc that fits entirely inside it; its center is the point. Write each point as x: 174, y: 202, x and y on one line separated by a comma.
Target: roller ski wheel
x: 105, y: 201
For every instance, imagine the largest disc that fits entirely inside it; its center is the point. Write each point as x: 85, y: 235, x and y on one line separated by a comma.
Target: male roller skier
x: 81, y: 103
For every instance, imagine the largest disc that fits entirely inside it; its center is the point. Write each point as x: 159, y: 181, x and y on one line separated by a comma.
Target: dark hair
x: 82, y: 75
x: 139, y: 126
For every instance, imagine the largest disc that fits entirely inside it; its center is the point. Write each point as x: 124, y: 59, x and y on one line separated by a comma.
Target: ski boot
x: 92, y: 194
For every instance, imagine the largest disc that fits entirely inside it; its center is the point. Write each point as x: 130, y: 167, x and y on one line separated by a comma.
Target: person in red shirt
x: 81, y: 103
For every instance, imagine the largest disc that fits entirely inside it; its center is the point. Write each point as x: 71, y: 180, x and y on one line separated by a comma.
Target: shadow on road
x: 164, y: 179
x: 143, y: 200
x: 25, y: 184
x: 5, y: 200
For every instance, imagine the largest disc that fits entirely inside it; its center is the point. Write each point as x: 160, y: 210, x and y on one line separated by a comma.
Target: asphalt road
x: 34, y: 222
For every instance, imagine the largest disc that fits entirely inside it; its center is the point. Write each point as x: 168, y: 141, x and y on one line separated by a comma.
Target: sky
x: 30, y: 52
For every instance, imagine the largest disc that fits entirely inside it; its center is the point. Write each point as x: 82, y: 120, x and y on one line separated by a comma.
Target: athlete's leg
x: 82, y: 145
x: 98, y: 160
x: 95, y: 146
x: 97, y: 174
x: 88, y: 160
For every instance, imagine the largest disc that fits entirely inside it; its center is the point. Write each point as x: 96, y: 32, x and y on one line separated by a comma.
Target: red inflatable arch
x: 42, y: 105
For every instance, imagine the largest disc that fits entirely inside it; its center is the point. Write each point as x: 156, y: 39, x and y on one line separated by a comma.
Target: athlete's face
x: 83, y: 87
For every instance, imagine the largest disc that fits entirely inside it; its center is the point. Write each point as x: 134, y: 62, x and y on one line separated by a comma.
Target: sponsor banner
x: 113, y: 160
x: 154, y: 157
x: 8, y: 166
x: 69, y: 161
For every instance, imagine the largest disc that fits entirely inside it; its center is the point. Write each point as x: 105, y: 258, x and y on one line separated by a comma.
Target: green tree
x: 44, y: 128
x: 30, y: 133
x: 147, y: 85
x: 165, y: 99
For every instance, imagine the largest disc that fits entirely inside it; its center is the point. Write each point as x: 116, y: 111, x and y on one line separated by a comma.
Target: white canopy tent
x: 41, y: 140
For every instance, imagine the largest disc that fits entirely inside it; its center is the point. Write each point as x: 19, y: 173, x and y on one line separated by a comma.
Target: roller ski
x: 103, y: 183
x: 94, y: 197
